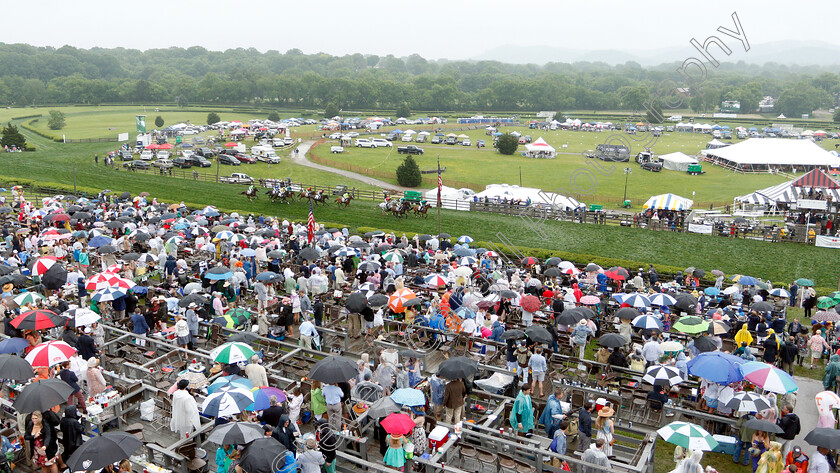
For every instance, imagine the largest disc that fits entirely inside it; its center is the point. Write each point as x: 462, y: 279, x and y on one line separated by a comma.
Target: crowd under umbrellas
x: 76, y: 262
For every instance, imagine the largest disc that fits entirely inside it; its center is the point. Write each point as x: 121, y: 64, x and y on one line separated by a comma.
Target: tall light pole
x: 627, y: 172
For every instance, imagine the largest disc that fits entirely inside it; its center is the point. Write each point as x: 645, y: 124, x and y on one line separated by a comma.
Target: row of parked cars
x: 200, y: 157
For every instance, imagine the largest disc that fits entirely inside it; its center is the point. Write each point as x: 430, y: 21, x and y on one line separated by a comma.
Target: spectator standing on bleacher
x: 652, y: 351
x: 585, y: 426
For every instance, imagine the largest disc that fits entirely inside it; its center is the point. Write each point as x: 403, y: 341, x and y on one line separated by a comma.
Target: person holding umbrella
x: 522, y: 414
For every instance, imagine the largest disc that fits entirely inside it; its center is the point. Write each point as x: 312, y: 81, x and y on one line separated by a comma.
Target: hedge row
x: 28, y: 126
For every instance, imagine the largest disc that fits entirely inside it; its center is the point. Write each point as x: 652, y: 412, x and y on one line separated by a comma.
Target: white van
x: 265, y: 154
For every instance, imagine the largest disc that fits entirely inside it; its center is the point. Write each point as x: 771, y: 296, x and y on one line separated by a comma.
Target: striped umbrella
x: 107, y: 294
x: 230, y: 381
x: 663, y: 375
x: 227, y: 402
x: 617, y: 273
x: 529, y: 260
x: 636, y: 300
x: 779, y: 292
x: 232, y: 352
x: 29, y: 298
x: 117, y: 282
x: 491, y: 254
x: 573, y: 271
x: 768, y: 377
x: 397, y: 300
x: 224, y: 235
x: 647, y: 322
x: 465, y: 239
x: 98, y: 281
x: 38, y: 320
x: 468, y: 261
x: 686, y: 435
x: 662, y: 299
x: 43, y: 264
x: 718, y: 327
x: 747, y: 401
x: 50, y: 353
x: 393, y: 257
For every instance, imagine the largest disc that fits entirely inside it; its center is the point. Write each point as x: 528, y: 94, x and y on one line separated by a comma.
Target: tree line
x: 43, y: 75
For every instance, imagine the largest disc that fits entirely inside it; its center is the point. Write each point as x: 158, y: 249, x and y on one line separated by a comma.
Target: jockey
x: 346, y: 196
x: 276, y: 187
x: 321, y: 192
x: 423, y: 203
x: 251, y: 189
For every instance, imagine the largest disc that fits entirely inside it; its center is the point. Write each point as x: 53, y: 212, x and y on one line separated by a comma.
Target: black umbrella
x: 107, y: 249
x: 612, y: 340
x: 765, y: 426
x: 106, y: 449
x: 82, y: 215
x: 370, y: 267
x: 309, y: 254
x: 699, y: 273
x: 243, y: 337
x: 131, y: 256
x: 704, y: 344
x: 627, y: 313
x: 761, y: 307
x: 54, y: 278
x: 274, y: 254
x: 236, y: 433
x: 114, y: 224
x: 142, y: 236
x: 458, y: 367
x: 359, y: 244
x: 569, y: 317
x: 410, y: 353
x: 512, y: 334
x: 552, y: 272
x: 6, y: 269
x: 333, y: 369
x: 539, y: 334
x: 685, y: 302
x: 586, y: 312
x: 824, y: 437
x: 383, y: 248
x: 125, y: 195
x: 42, y: 395
x: 553, y: 261
x: 508, y: 294
x: 192, y: 298
x: 444, y: 236
x: 265, y: 455
x: 379, y: 300
x: 356, y: 302
x: 425, y: 237
x: 461, y: 251
x: 15, y: 367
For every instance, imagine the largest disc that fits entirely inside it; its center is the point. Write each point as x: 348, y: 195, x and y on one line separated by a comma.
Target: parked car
x: 480, y: 144
x: 200, y: 161
x: 245, y: 158
x: 436, y: 140
x: 335, y: 136
x: 353, y: 134
x: 125, y: 155
x: 205, y: 152
x: 163, y: 154
x: 336, y: 149
x: 380, y: 143
x: 198, y: 140
x: 228, y: 159
x: 364, y: 143
x: 182, y: 162
x: 146, y: 155
x: 162, y: 163
x: 466, y: 142
x: 137, y: 164
x: 237, y: 178
x: 410, y: 149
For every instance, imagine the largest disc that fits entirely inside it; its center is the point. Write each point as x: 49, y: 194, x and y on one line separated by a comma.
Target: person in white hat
x: 580, y: 336
x: 192, y: 324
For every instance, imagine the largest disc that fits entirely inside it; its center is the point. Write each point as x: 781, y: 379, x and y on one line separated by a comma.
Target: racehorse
x: 422, y: 209
x: 344, y: 201
x: 251, y: 193
x: 319, y: 198
x: 282, y: 195
x: 395, y: 207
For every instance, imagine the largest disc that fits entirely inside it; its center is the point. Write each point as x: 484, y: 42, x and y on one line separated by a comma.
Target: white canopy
x: 668, y: 202
x: 677, y: 161
x: 540, y: 145
x: 775, y: 151
x: 537, y: 196
x: 716, y: 143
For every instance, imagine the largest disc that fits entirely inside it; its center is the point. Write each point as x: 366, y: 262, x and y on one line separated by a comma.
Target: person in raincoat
x: 744, y: 336
x: 553, y: 413
x: 771, y: 346
x: 832, y: 370
x: 771, y: 461
x: 185, y: 417
x: 522, y: 414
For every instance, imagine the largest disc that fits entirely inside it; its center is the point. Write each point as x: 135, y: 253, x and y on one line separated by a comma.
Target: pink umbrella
x: 590, y: 300
x: 398, y: 423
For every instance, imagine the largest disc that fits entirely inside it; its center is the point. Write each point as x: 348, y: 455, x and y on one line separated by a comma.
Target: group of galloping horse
x: 401, y: 207
x: 281, y: 191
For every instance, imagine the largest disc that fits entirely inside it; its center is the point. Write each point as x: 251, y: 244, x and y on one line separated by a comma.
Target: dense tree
x: 836, y: 115
x: 212, y: 118
x: 507, y: 143
x: 408, y: 173
x: 274, y: 116
x: 402, y: 110
x: 159, y: 121
x: 330, y: 110
x: 12, y: 137
x: 56, y: 121
x: 654, y: 113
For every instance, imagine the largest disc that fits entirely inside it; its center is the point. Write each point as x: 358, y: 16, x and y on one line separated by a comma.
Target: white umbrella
x: 662, y: 375
x: 747, y: 401
x: 690, y: 436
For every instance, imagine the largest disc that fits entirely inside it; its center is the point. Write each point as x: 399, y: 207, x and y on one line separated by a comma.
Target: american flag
x: 440, y: 183
x: 310, y: 224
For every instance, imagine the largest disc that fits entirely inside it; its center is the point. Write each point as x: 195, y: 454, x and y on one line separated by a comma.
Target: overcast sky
x: 455, y: 29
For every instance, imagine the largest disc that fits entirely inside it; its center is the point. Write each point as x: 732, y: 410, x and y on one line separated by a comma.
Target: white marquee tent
x: 677, y: 161
x: 540, y: 149
x: 762, y: 153
x: 500, y: 192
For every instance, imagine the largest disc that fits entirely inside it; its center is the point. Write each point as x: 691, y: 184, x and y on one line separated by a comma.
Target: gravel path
x: 301, y: 159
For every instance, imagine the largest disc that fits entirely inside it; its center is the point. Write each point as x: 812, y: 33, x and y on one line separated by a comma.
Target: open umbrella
x: 512, y: 334
x: 768, y: 377
x: 234, y: 381
x: 103, y: 450
x: 825, y: 302
x: 627, y: 313
x: 718, y: 367
x: 661, y: 299
x: 457, y: 367
x: 691, y: 325
x: 826, y: 316
x: 262, y: 397
x: 232, y: 352
x: 334, y: 369
x: 356, y: 302
x: 42, y: 395
x: 398, y: 423
x: 265, y: 455
x: 29, y: 298
x: 764, y: 426
x: 227, y: 401
x: 636, y: 300
x: 824, y: 437
x: 218, y: 273
x: 590, y: 300
x: 16, y: 368
x: 663, y: 375
x: 779, y: 292
x: 718, y: 327
x: 13, y: 345
x: 612, y: 340
x: 647, y: 322
x: 409, y: 397
x: 397, y: 300
x: 687, y: 435
x: 38, y: 319
x: 530, y: 303
x: 617, y: 273
x: 235, y: 433
x: 382, y: 408
x: 50, y: 353
x: 804, y: 282
x: 704, y: 344
x: 243, y: 337
x: 81, y: 316
x: 747, y: 401
x: 539, y: 334
x: 685, y: 302
x: 671, y: 346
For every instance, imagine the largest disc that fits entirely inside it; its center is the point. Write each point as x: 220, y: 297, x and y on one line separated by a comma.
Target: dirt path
x: 301, y: 159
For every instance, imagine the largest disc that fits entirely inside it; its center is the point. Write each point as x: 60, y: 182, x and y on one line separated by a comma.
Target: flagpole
x: 440, y: 204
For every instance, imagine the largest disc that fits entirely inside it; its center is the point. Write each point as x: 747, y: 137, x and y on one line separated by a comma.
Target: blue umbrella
x: 266, y: 276
x: 465, y: 313
x: 227, y: 402
x: 100, y: 240
x: 711, y: 291
x: 747, y: 281
x: 13, y: 345
x: 409, y: 397
x: 218, y: 273
x: 247, y: 252
x: 718, y: 367
x: 230, y: 381
x: 80, y: 234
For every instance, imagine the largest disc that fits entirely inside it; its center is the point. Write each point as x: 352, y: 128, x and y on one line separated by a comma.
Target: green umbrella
x: 825, y: 302
x: 804, y: 282
x: 691, y: 325
x: 836, y: 296
x: 232, y: 352
x: 29, y: 298
x: 690, y: 436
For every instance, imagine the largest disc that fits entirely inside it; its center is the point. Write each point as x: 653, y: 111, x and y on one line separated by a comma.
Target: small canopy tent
x: 677, y: 161
x: 715, y: 144
x: 540, y: 149
x: 668, y: 202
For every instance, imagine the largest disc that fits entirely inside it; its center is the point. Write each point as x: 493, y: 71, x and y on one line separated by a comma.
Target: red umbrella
x: 231, y: 144
x: 165, y: 146
x: 618, y: 273
x: 398, y: 423
x: 43, y: 264
x: 38, y: 320
x: 530, y: 303
x: 153, y: 146
x: 50, y: 353
x: 529, y: 260
x: 59, y: 217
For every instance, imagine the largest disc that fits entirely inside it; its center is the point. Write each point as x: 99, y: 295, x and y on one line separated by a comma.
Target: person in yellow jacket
x: 744, y: 335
